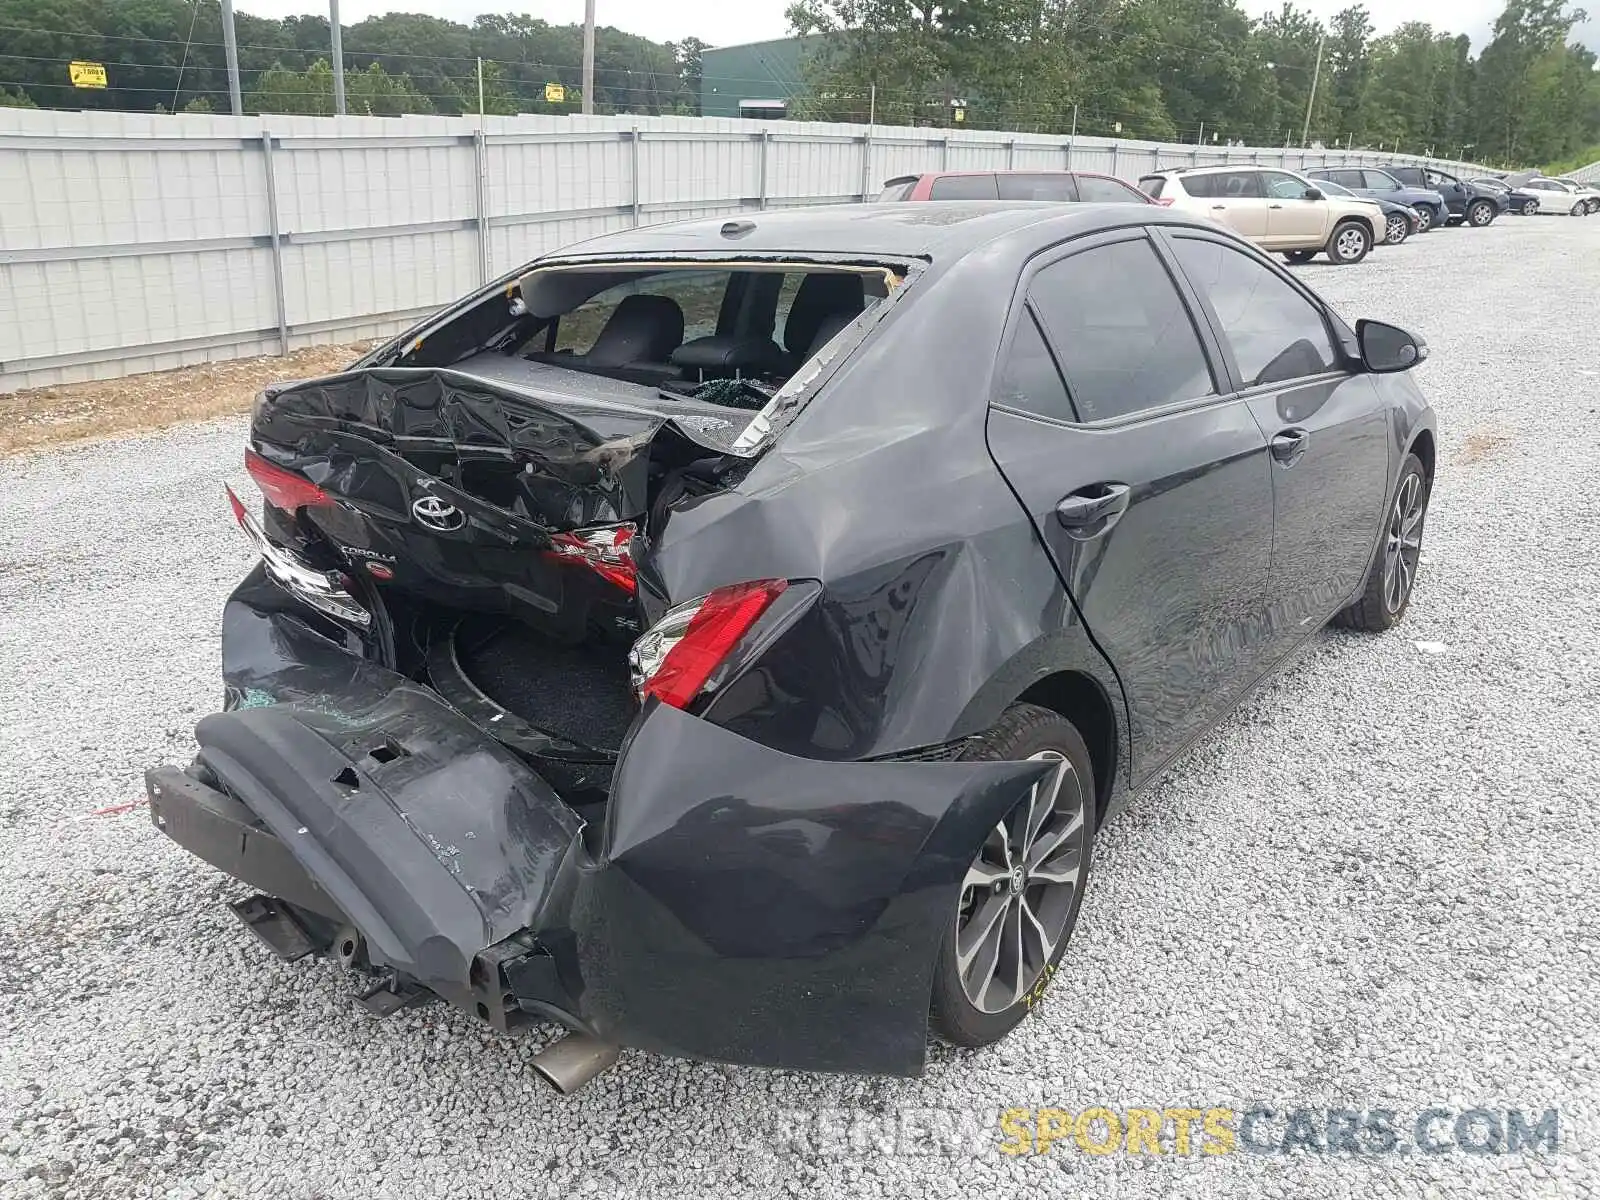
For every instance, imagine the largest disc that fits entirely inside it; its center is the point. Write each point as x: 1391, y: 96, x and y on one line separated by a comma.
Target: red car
x: 1087, y: 187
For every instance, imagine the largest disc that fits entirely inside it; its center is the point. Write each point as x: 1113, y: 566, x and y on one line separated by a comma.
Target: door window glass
x: 1283, y: 187
x: 1275, y: 332
x: 1381, y: 181
x: 1124, y: 336
x: 1093, y: 189
x: 1029, y: 380
x: 1057, y: 186
x: 964, y: 187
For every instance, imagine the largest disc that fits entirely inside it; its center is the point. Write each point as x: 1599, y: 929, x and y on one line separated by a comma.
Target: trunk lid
x: 498, y: 485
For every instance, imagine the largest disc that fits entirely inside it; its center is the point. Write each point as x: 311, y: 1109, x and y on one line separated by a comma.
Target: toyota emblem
x: 434, y: 513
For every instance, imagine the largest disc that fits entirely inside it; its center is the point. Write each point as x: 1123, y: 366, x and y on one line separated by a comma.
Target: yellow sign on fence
x: 555, y: 93
x: 87, y: 74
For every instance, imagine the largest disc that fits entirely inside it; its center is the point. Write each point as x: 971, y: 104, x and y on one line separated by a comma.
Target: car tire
x: 1396, y: 229
x: 1426, y: 218
x: 1009, y: 989
x: 1393, y: 574
x: 1580, y: 209
x: 1350, y: 243
x: 1299, y: 256
x: 1480, y: 213
x: 1531, y: 209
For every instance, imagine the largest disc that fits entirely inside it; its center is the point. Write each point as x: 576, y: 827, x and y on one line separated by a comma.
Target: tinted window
x: 1275, y: 332
x: 1235, y: 184
x: 1381, y: 181
x: 1029, y: 380
x: 1056, y: 186
x: 964, y: 187
x: 1410, y: 175
x: 1152, y: 184
x: 1093, y: 189
x: 1330, y: 188
x: 1283, y: 187
x: 897, y: 189
x: 1436, y: 178
x: 1349, y: 178
x: 1124, y: 336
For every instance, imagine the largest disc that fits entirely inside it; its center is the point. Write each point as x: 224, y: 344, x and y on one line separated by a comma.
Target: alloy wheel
x: 1350, y: 243
x: 1396, y: 229
x: 1481, y: 215
x: 1424, y: 218
x: 1403, y: 546
x: 1019, y: 892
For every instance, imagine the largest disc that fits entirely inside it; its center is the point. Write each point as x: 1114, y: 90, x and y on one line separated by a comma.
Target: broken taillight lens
x: 676, y: 657
x: 607, y: 551
x: 282, y: 487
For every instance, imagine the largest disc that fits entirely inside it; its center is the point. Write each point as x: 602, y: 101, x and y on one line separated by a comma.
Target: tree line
x: 162, y: 55
x: 1185, y: 70
x: 1191, y: 70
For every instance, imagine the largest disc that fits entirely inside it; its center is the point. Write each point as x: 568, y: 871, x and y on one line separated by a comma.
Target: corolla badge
x: 434, y: 513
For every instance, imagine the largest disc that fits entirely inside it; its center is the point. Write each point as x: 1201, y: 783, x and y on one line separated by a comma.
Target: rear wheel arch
x: 1079, y: 699
x: 1049, y: 674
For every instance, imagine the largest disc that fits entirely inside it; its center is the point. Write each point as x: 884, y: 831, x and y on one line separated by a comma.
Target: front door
x: 1292, y: 220
x: 1323, y: 421
x: 1151, y: 490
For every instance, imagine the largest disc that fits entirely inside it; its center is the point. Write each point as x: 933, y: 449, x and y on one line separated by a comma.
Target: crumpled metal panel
x: 739, y: 904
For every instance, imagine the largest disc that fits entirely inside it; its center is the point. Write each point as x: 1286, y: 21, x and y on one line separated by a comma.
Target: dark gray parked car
x: 1374, y: 184
x: 725, y: 638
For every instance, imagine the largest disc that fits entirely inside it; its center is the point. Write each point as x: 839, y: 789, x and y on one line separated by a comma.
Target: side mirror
x: 1314, y: 194
x: 1386, y: 349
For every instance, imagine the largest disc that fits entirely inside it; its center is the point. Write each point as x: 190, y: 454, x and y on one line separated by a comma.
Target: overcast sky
x: 728, y: 22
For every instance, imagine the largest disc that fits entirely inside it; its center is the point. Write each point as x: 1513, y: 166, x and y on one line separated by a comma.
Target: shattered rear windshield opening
x: 729, y: 334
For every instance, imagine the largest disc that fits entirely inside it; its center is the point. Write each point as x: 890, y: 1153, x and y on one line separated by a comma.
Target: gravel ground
x: 1372, y: 888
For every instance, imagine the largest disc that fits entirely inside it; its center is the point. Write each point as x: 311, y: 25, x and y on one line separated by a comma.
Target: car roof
x: 890, y: 231
x: 1001, y: 171
x: 1213, y: 168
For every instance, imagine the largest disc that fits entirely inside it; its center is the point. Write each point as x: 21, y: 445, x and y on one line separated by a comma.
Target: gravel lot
x: 1373, y: 888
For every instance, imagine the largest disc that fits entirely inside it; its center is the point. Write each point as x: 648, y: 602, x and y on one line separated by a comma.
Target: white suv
x: 1275, y: 208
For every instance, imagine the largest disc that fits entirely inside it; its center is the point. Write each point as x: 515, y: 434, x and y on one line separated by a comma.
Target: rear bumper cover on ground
x: 739, y: 904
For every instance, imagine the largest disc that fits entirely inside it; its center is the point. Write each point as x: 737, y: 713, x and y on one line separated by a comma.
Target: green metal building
x: 758, y: 80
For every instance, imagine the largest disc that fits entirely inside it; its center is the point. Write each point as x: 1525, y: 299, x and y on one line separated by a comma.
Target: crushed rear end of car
x: 465, y: 748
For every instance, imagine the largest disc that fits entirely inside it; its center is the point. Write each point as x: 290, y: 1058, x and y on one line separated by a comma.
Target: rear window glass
x: 1152, y: 184
x: 1056, y: 186
x: 897, y: 189
x: 965, y: 187
x: 685, y: 326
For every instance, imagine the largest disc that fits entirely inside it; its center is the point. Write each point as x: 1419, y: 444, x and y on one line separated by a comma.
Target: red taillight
x: 236, y: 504
x: 1165, y: 203
x: 282, y: 487
x: 608, y: 552
x: 677, y: 656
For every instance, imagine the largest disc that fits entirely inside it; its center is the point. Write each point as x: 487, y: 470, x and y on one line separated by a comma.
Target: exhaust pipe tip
x: 574, y: 1061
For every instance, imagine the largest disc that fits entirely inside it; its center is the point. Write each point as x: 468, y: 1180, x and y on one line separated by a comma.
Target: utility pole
x: 1305, y: 133
x: 1201, y: 140
x: 231, y: 48
x: 480, y: 89
x: 588, y: 56
x: 872, y: 105
x: 338, y: 56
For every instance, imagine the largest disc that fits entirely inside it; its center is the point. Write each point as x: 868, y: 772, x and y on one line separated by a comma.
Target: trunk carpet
x: 581, y: 693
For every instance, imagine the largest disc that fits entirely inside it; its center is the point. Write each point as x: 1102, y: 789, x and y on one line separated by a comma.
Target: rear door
x: 1292, y: 220
x: 1323, y: 420
x: 1451, y: 188
x: 1235, y: 198
x: 1151, y: 490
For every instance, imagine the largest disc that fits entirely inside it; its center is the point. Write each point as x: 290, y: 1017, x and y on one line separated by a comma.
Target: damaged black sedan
x: 725, y: 638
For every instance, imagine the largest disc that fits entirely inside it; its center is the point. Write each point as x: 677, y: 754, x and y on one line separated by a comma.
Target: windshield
x: 1333, y: 189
